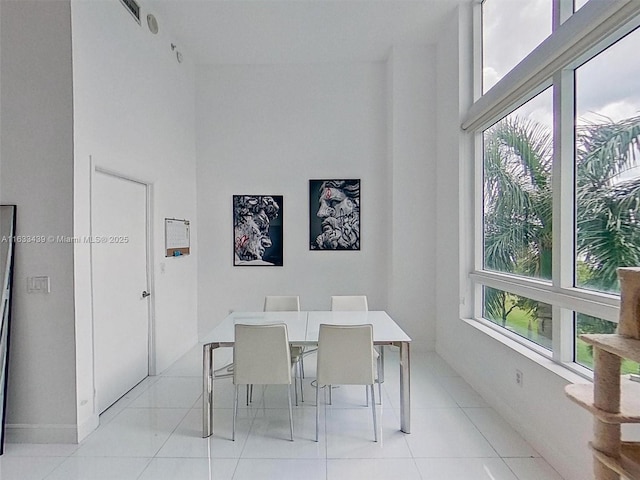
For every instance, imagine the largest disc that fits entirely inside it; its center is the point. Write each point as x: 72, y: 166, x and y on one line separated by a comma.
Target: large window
x: 558, y: 187
x: 584, y: 352
x: 518, y: 153
x: 521, y: 25
x: 607, y: 167
x: 522, y: 316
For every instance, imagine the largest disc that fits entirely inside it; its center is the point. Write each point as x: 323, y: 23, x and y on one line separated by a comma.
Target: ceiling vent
x: 133, y: 8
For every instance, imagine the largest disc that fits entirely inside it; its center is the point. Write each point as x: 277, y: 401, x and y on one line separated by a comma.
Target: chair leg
x: 301, y: 376
x: 330, y: 397
x: 295, y: 385
x: 235, y: 412
x: 373, y: 408
x: 290, y: 412
x: 249, y: 394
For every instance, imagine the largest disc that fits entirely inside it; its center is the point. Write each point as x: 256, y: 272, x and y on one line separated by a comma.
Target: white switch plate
x: 38, y: 284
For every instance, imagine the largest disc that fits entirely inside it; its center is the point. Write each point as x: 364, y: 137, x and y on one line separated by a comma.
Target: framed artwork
x: 334, y: 214
x: 257, y: 230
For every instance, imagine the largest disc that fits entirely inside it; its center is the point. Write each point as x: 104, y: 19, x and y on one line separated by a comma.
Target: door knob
x: 145, y: 294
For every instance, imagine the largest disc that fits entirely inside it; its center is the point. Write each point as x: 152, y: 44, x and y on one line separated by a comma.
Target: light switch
x: 38, y: 284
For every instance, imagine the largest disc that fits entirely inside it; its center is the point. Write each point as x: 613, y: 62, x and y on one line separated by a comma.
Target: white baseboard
x: 87, y: 427
x: 41, y: 433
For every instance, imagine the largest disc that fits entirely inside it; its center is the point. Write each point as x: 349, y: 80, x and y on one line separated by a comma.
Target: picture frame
x: 334, y: 214
x: 258, y: 230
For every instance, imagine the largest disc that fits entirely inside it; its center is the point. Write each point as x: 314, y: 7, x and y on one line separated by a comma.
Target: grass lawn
x: 585, y: 358
x: 518, y: 322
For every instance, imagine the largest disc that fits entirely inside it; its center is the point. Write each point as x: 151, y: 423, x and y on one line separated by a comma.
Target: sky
x: 608, y: 85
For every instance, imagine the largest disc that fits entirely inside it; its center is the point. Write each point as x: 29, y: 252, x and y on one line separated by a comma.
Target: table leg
x: 380, y: 372
x: 381, y: 360
x: 207, y: 390
x: 405, y: 388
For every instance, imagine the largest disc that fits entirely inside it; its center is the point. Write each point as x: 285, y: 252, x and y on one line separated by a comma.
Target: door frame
x: 151, y: 363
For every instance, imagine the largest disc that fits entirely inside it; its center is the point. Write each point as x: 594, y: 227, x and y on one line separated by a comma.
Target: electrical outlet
x: 519, y: 378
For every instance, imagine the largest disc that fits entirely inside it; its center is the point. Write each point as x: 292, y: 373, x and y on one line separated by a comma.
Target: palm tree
x: 608, y: 233
x: 518, y: 207
x: 518, y: 210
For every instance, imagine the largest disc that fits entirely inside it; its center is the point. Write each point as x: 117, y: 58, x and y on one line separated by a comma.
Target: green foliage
x: 607, y: 206
x: 518, y: 204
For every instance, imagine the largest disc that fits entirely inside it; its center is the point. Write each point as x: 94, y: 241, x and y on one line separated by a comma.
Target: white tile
x: 349, y: 434
x: 126, y: 400
x: 269, y: 435
x: 446, y: 432
x: 170, y: 392
x: 280, y: 469
x: 506, y: 441
x: 189, y: 365
x: 136, y: 432
x: 99, y: 468
x: 155, y: 432
x: 433, y: 363
x: 462, y: 393
x: 190, y: 469
x: 224, y: 391
x: 464, y: 469
x: 429, y: 391
x: 187, y: 441
x: 27, y: 468
x: 372, y: 469
x: 532, y: 469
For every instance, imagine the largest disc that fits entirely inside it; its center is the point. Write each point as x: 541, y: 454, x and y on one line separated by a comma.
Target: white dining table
x: 303, y: 329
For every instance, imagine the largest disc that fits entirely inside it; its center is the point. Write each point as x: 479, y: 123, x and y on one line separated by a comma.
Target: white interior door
x: 119, y: 272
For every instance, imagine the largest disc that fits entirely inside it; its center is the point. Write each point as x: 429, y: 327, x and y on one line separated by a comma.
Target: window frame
x: 575, y: 39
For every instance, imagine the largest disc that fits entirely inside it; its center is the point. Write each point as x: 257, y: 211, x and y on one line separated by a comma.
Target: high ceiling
x: 301, y: 31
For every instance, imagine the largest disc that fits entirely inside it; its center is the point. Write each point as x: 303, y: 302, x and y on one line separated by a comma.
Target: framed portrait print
x: 257, y: 230
x: 334, y: 214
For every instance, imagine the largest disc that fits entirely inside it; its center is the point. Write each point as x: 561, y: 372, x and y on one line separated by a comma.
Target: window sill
x: 571, y: 372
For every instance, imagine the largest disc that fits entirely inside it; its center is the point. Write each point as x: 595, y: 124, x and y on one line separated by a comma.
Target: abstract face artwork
x: 334, y: 212
x: 257, y: 230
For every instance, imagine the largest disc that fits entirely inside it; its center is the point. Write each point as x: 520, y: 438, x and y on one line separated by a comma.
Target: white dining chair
x: 281, y: 303
x: 346, y: 357
x: 349, y: 303
x: 358, y: 303
x: 261, y: 356
x: 288, y: 303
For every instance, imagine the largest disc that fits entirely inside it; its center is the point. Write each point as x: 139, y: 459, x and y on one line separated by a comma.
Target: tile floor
x: 154, y: 432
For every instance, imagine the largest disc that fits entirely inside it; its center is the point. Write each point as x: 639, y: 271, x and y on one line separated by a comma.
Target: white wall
x: 134, y: 113
x: 539, y: 410
x: 120, y: 94
x: 412, y: 150
x: 37, y: 174
x: 268, y: 130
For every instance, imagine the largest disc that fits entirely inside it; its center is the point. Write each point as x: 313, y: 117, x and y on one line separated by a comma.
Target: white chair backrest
x: 345, y: 303
x: 345, y: 355
x: 261, y: 355
x: 281, y: 304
